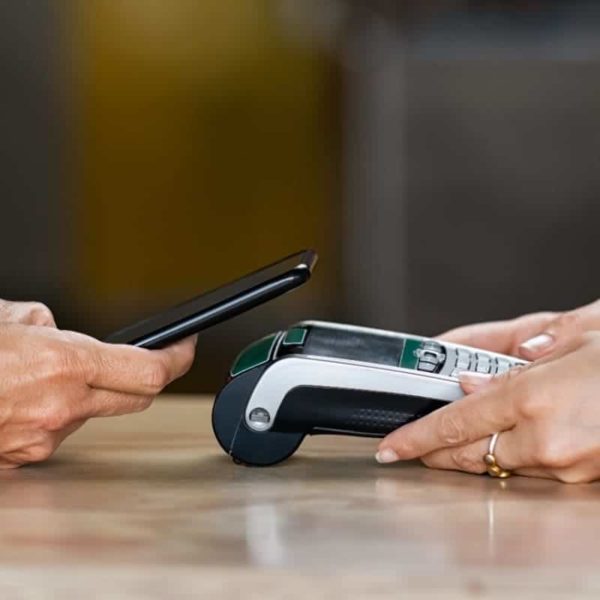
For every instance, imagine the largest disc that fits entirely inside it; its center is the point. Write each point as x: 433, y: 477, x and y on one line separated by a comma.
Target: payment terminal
x: 327, y: 378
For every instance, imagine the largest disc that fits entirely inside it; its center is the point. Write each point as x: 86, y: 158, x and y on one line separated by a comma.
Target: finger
x: 584, y: 472
x: 135, y: 370
x: 513, y: 451
x: 59, y: 436
x: 31, y: 446
x: 494, y: 336
x: 537, y: 346
x: 26, y: 313
x: 560, y: 329
x: 48, y: 445
x: 563, y: 347
x: 102, y: 403
x: 34, y: 446
x: 471, y: 381
x: 180, y: 356
x: 471, y: 464
x: 470, y: 459
x: 556, y: 332
x: 467, y: 420
x: 504, y: 337
x: 36, y: 313
x: 467, y: 458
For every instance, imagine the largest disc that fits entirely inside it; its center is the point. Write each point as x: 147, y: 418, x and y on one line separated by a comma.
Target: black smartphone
x: 220, y: 304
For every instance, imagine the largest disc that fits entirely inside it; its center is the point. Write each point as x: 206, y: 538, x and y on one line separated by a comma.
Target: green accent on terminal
x: 254, y: 355
x: 295, y: 336
x: 409, y: 358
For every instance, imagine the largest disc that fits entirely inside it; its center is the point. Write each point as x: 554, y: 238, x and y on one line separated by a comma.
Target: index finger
x: 466, y: 420
x: 500, y: 336
x: 495, y: 336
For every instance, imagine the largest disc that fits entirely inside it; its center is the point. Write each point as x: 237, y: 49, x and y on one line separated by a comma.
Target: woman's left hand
x: 548, y: 414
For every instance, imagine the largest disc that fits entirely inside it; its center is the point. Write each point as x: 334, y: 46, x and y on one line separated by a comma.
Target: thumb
x: 471, y: 381
x: 558, y: 331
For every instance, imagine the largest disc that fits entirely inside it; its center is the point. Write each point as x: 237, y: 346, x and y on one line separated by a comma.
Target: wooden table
x: 148, y: 506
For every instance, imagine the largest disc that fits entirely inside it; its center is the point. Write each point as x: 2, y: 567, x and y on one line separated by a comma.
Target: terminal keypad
x: 480, y: 362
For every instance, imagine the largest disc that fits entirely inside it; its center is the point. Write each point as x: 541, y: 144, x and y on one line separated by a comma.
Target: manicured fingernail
x: 473, y: 379
x: 538, y: 343
x: 387, y: 455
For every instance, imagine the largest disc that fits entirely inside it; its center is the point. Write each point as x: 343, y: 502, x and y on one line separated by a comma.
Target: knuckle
x: 39, y: 452
x: 158, y: 377
x: 56, y: 359
x: 546, y: 317
x: 189, y: 358
x: 40, y: 314
x: 509, y: 376
x: 54, y: 416
x: 7, y: 465
x: 514, y: 372
x: 569, y: 322
x: 591, y: 339
x: 465, y: 461
x: 552, y: 453
x: 452, y: 431
x: 531, y: 403
x: 124, y: 406
x: 428, y: 462
x: 141, y: 404
x: 531, y: 407
x: 574, y: 476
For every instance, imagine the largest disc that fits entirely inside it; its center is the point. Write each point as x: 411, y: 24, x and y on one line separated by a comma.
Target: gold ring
x: 493, y: 468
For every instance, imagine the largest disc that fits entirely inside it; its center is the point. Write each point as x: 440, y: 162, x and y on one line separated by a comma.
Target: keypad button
x: 483, y: 363
x: 429, y: 357
x: 425, y: 366
x: 502, y: 365
x: 434, y: 346
x: 463, y: 360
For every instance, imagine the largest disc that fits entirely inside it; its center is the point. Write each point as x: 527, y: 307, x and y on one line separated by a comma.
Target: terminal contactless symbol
x: 326, y: 378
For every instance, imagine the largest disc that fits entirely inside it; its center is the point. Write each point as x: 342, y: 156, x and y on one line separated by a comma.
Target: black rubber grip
x: 310, y: 409
x: 242, y: 444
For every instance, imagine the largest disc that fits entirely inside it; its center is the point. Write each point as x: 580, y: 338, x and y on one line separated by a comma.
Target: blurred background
x: 442, y: 156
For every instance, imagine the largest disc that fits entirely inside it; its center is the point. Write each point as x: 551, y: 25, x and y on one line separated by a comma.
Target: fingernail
x: 538, y: 343
x: 474, y: 379
x: 387, y: 455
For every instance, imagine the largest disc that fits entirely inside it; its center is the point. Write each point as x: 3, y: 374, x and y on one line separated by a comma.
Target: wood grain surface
x: 148, y: 506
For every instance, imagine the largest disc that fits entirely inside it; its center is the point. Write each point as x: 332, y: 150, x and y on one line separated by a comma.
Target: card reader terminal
x: 328, y: 378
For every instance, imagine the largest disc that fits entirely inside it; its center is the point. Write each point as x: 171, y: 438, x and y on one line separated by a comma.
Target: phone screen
x: 220, y: 304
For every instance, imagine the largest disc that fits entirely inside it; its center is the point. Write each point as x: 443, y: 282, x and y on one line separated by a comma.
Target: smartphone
x: 220, y: 304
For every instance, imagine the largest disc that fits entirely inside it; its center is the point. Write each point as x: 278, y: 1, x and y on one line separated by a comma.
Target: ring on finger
x: 491, y: 463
